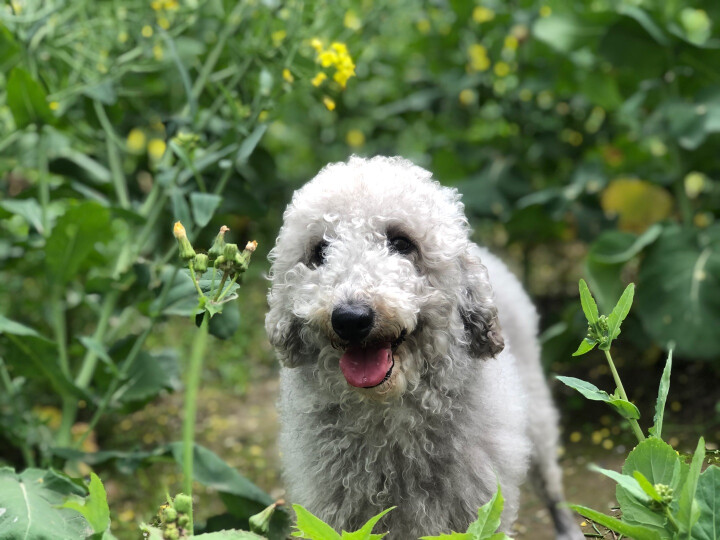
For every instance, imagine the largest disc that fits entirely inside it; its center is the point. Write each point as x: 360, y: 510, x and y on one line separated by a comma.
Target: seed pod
x: 187, y: 253
x: 169, y: 514
x: 218, y: 246
x: 201, y: 263
x: 183, y: 503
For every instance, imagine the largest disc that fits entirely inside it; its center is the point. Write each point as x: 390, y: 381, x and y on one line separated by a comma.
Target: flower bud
x: 201, y: 263
x: 260, y: 523
x: 242, y: 260
x: 231, y: 251
x: 219, y: 245
x: 182, y: 503
x: 169, y: 514
x: 187, y: 252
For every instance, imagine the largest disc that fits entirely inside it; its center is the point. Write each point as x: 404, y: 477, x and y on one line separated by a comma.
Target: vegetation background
x: 584, y: 136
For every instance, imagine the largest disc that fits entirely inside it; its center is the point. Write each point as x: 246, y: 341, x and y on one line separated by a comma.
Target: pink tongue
x: 366, y: 367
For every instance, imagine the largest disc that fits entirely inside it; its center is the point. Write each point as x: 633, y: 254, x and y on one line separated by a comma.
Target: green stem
x: 44, y: 185
x: 220, y: 287
x: 227, y: 289
x: 118, y: 176
x: 684, y: 203
x: 633, y: 423
x: 90, y: 360
x: 190, y: 409
x: 195, y: 280
x: 672, y: 521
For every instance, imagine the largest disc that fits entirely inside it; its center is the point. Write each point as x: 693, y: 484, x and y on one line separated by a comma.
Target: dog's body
x: 406, y: 381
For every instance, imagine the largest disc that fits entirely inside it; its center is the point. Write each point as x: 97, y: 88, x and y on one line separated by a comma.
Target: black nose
x: 352, y: 322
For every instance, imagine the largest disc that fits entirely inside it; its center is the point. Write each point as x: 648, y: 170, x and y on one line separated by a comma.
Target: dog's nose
x: 352, y: 322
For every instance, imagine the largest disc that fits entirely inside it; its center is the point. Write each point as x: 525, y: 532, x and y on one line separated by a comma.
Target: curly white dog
x: 408, y: 380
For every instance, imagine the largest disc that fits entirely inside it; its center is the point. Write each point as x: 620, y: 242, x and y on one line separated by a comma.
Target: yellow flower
x: 318, y: 79
x: 287, y: 75
x: 479, y: 60
x: 545, y: 11
x: 329, y: 103
x: 502, y: 69
x: 351, y: 20
x: 54, y: 105
x: 511, y: 43
x: 336, y: 56
x: 102, y: 68
x: 316, y: 44
x: 636, y: 203
x: 147, y: 31
x: 278, y: 37
x: 136, y: 141
x: 123, y: 36
x: 158, y: 52
x: 170, y: 5
x: 156, y: 5
x: 262, y: 116
x: 467, y: 97
x: 423, y: 26
x: 355, y: 138
x: 163, y: 22
x: 327, y: 58
x: 156, y: 148
x: 694, y: 184
x: 481, y: 14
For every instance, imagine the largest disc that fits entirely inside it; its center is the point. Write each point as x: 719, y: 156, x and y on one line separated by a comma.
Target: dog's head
x: 375, y: 282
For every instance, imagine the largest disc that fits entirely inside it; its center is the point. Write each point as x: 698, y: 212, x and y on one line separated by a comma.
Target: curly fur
x: 466, y: 406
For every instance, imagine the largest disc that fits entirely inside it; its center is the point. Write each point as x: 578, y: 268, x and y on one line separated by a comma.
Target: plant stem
x: 44, y: 185
x: 220, y: 287
x: 633, y: 423
x: 190, y: 409
x: 195, y: 281
x: 90, y: 360
x: 227, y: 289
x: 118, y: 177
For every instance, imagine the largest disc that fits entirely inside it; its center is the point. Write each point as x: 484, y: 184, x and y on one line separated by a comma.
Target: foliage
x: 657, y: 490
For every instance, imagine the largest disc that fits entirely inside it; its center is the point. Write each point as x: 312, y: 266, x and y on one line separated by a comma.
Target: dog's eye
x: 401, y: 244
x: 317, y: 257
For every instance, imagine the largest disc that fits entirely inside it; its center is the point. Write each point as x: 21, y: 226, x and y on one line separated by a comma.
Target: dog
x: 410, y: 365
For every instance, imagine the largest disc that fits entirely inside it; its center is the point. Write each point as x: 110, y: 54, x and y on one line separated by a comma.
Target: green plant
x: 660, y: 495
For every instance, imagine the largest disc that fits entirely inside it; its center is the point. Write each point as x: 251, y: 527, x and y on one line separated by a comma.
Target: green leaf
x: 642, y: 17
x: 656, y: 429
x: 248, y: 145
x: 658, y: 462
x: 450, y: 536
x: 637, y: 532
x: 95, y: 507
x: 646, y: 486
x: 564, y: 33
x: 203, y: 207
x: 27, y: 100
x: 223, y: 325
x: 590, y: 391
x: 311, y: 527
x: 73, y: 239
x: 629, y: 483
x: 588, y: 303
x: 229, y: 535
x: 707, y: 496
x: 688, y: 511
x: 15, y: 328
x: 28, y: 209
x: 9, y: 49
x: 586, y: 345
x: 488, y: 517
x: 365, y: 532
x: 31, y: 510
x: 619, y: 312
x: 679, y: 291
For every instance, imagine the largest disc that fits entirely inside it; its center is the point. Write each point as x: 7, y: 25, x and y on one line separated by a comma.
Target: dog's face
x: 374, y: 282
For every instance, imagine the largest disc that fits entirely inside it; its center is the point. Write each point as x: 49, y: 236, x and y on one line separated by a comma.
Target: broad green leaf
x: 203, y: 207
x: 707, y: 496
x: 27, y: 100
x: 365, y: 532
x: 31, y: 510
x: 565, y: 33
x: 656, y: 429
x: 586, y: 345
x: 223, y: 325
x: 95, y: 507
x: 646, y: 486
x: 488, y: 517
x: 9, y: 49
x: 637, y: 532
x: 311, y: 527
x: 619, y: 312
x: 62, y: 483
x: 588, y: 303
x: 642, y: 17
x: 628, y: 482
x: 28, y: 209
x: 590, y: 391
x: 15, y: 328
x: 688, y: 511
x: 679, y: 291
x: 659, y: 464
x: 450, y: 536
x: 229, y: 535
x: 73, y: 239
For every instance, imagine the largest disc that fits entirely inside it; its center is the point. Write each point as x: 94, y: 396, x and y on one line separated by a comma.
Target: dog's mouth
x: 370, y: 365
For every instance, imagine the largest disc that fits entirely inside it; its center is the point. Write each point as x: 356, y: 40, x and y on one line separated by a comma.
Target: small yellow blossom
x: 262, y: 116
x: 158, y: 52
x: 694, y: 184
x: 126, y: 515
x: 423, y: 26
x: 163, y: 22
x: 156, y: 5
x: 54, y: 105
x: 171, y: 5
x: 123, y: 36
x: 147, y: 31
x: 502, y: 69
x: 479, y: 60
x: 467, y: 97
x: 329, y: 103
x: 278, y: 37
x: 17, y: 7
x: 545, y: 11
x: 511, y: 43
x: 351, y: 20
x: 327, y: 58
x: 287, y: 75
x: 336, y: 56
x: 575, y: 436
x: 525, y: 94
x: 703, y: 219
x: 355, y: 138
x: 102, y: 68
x: 316, y: 44
x: 318, y: 79
x: 156, y: 148
x: 481, y: 14
x: 607, y: 444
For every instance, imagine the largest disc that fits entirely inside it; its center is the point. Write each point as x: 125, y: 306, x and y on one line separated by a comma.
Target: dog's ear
x: 285, y: 334
x: 478, y: 310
